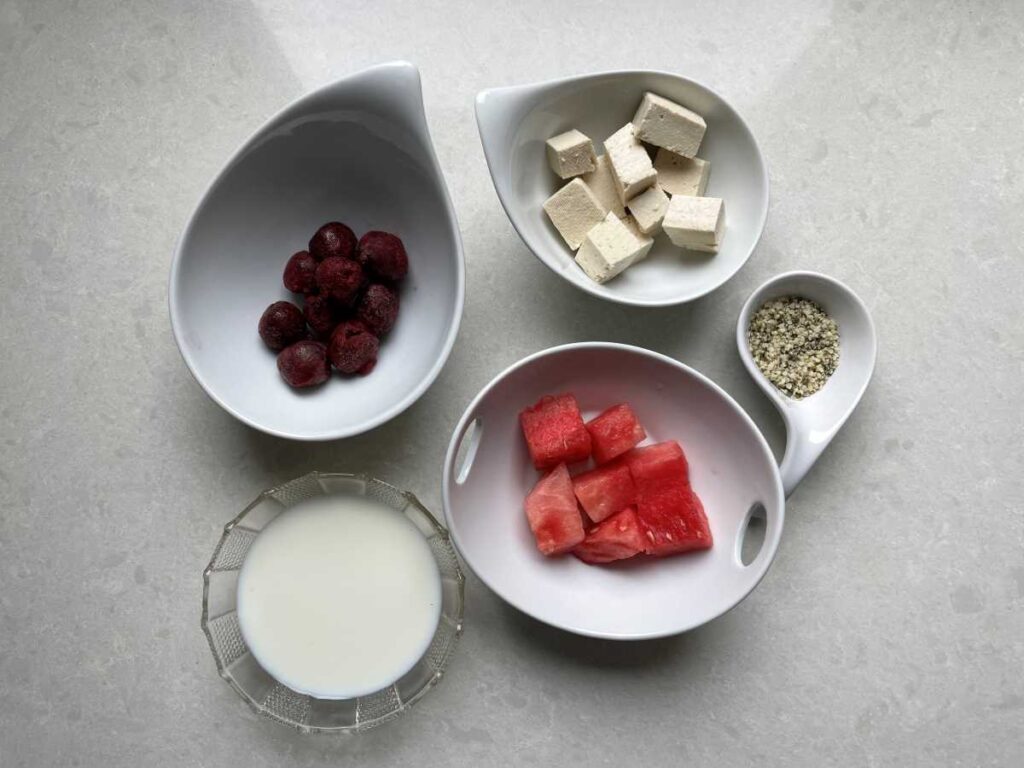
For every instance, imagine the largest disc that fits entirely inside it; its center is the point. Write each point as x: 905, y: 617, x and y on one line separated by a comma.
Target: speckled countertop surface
x: 890, y: 630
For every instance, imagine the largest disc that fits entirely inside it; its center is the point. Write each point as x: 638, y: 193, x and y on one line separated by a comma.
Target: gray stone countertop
x: 890, y: 630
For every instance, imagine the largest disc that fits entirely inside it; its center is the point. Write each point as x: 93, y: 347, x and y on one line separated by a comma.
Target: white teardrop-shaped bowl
x: 358, y: 151
x: 813, y: 421
x: 515, y: 122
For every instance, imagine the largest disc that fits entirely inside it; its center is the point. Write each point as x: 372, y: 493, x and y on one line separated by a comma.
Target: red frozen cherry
x: 300, y: 273
x: 383, y: 254
x: 304, y: 364
x: 321, y: 314
x: 339, y: 279
x: 282, y: 324
x: 353, y: 349
x: 333, y: 239
x: 378, y: 309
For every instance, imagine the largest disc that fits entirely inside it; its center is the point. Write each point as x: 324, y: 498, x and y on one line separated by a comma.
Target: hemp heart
x: 795, y: 344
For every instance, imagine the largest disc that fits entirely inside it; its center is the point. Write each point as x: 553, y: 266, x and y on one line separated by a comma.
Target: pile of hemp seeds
x: 795, y: 344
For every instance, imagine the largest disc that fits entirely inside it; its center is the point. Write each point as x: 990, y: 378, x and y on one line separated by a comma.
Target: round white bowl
x: 515, y: 122
x: 731, y: 468
x: 356, y: 151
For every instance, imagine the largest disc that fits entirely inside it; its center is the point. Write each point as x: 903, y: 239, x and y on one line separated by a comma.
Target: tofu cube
x: 646, y: 241
x: 648, y: 209
x: 631, y: 165
x: 608, y: 249
x: 601, y: 181
x: 696, y: 223
x: 680, y: 175
x: 574, y: 211
x: 571, y: 154
x: 664, y: 123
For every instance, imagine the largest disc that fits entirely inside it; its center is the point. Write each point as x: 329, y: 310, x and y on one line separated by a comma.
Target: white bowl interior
x: 599, y: 105
x: 319, y: 162
x: 844, y: 388
x: 731, y: 469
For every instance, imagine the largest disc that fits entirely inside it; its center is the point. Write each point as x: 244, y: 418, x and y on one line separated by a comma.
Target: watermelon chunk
x: 604, y: 491
x: 554, y: 431
x: 552, y: 513
x: 672, y: 517
x: 617, y: 538
x: 614, y: 432
x: 661, y: 461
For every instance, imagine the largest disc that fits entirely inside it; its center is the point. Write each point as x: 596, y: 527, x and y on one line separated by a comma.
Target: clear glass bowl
x: 269, y: 697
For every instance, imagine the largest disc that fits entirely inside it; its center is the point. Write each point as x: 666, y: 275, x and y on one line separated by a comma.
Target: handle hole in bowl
x: 752, y: 534
x: 467, y: 451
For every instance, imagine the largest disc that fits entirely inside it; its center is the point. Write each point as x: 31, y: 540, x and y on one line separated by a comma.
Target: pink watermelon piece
x: 617, y: 538
x: 552, y: 513
x: 554, y: 431
x: 672, y: 518
x: 614, y: 432
x: 604, y: 491
x: 661, y: 461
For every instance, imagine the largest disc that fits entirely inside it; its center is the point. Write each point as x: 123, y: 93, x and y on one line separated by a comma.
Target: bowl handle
x: 804, y: 443
x: 467, y: 443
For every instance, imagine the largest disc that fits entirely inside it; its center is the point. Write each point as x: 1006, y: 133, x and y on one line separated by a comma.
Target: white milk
x: 339, y: 596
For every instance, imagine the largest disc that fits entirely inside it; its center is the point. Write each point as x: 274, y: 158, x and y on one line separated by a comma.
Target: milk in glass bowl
x: 333, y: 603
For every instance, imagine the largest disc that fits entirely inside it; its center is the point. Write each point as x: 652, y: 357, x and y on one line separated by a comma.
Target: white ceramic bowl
x: 813, y: 421
x: 356, y: 151
x: 515, y: 122
x: 732, y: 469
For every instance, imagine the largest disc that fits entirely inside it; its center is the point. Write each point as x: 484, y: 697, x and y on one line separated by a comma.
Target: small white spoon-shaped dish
x: 813, y: 421
x: 515, y: 122
x: 357, y: 151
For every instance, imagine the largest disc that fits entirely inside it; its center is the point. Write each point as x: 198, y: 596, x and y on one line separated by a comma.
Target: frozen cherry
x: 339, y: 278
x: 378, y: 309
x: 282, y: 324
x: 300, y: 273
x: 321, y: 314
x: 333, y: 239
x: 383, y: 254
x: 304, y: 364
x: 353, y: 349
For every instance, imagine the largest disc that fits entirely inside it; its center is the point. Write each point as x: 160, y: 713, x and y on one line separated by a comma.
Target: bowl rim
x: 295, y: 106
x: 257, y: 707
x: 594, y: 288
x: 770, y: 544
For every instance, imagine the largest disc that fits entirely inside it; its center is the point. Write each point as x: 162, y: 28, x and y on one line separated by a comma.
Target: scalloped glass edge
x: 272, y: 699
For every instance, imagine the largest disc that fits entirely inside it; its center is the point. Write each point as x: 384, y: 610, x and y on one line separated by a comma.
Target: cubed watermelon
x: 555, y: 432
x: 604, y: 491
x: 672, y: 517
x: 616, y: 538
x: 614, y: 432
x: 657, y: 462
x: 553, y: 514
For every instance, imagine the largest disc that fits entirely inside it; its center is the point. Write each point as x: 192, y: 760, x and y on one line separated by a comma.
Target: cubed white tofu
x: 680, y: 175
x: 631, y: 165
x: 602, y: 183
x: 646, y: 241
x: 648, y: 209
x: 696, y: 223
x: 664, y: 123
x: 574, y: 211
x: 608, y: 249
x: 571, y: 154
